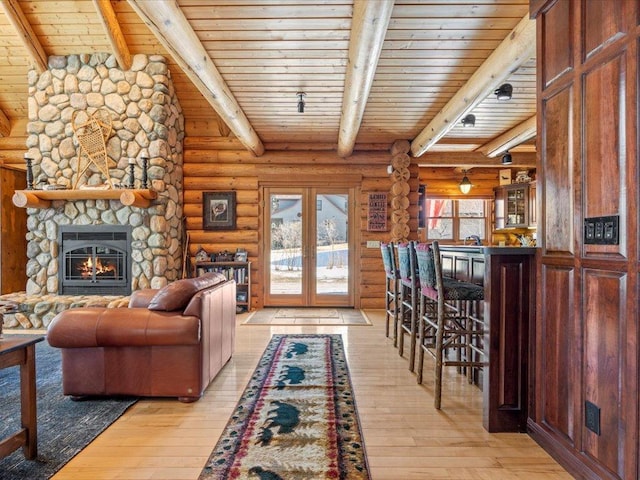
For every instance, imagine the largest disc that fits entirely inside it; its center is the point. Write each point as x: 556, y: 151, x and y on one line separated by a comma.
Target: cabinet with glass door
x: 512, y: 206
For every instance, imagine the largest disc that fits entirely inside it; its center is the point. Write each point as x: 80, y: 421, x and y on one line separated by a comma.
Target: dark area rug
x: 64, y: 426
x: 296, y: 419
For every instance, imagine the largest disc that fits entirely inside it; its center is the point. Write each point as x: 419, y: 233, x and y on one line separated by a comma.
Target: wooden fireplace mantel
x: 42, y: 198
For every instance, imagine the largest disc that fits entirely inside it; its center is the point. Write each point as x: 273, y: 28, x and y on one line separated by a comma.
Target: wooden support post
x: 29, y: 39
x: 368, y: 29
x: 112, y: 28
x: 517, y: 48
x: 167, y: 22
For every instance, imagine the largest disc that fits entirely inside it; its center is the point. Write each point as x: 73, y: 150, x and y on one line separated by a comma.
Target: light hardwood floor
x: 405, y: 437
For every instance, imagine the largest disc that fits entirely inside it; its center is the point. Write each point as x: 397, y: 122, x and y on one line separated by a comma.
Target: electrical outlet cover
x: 592, y: 417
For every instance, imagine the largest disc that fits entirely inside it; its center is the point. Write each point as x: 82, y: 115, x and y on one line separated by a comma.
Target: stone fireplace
x: 94, y: 259
x: 147, y: 122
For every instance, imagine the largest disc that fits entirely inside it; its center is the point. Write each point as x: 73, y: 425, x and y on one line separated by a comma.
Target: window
x: 455, y: 220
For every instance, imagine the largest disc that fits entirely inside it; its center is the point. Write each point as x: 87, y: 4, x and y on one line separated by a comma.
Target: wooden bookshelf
x: 239, y: 271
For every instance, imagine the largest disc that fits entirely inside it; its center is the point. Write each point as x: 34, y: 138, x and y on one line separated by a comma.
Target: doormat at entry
x: 307, y: 316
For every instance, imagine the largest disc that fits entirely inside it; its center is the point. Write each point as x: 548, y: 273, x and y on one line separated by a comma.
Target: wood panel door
x: 586, y: 404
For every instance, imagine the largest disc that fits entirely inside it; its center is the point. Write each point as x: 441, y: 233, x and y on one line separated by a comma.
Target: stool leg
x: 412, y: 335
x: 399, y: 329
x: 439, y: 353
x: 421, y: 328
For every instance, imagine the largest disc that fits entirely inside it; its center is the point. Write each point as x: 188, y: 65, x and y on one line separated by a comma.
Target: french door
x: 308, y: 246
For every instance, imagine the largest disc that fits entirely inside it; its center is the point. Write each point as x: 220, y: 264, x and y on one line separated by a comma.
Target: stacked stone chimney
x: 147, y: 121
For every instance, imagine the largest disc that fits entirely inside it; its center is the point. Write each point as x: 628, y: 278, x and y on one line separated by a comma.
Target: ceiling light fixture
x: 469, y: 120
x: 465, y: 184
x: 301, y: 96
x: 506, y: 159
x: 504, y: 91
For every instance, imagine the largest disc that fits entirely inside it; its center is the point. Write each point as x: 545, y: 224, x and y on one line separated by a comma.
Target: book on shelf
x: 239, y: 274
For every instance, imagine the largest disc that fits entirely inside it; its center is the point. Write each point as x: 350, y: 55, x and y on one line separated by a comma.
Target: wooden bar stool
x: 427, y: 303
x: 409, y: 293
x: 458, y: 327
x: 392, y: 288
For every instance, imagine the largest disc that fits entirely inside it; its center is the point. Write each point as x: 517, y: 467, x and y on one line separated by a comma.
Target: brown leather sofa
x: 170, y: 342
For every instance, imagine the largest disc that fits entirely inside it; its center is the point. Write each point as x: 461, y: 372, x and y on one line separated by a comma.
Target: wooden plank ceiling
x: 265, y: 51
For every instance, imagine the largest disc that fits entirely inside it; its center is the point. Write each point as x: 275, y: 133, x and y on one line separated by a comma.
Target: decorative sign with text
x: 377, y: 216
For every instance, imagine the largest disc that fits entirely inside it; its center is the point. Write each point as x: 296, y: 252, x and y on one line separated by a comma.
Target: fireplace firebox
x: 94, y: 260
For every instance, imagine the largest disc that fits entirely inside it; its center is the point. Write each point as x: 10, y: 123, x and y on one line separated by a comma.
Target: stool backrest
x: 407, y: 263
x: 388, y: 259
x: 437, y: 263
x: 426, y: 265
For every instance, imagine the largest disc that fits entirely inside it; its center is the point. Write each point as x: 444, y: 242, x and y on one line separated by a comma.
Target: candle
x: 132, y: 164
x: 29, y: 172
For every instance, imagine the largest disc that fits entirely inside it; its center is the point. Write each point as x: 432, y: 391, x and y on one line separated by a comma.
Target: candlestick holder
x: 131, y: 177
x: 29, y: 173
x: 145, y: 165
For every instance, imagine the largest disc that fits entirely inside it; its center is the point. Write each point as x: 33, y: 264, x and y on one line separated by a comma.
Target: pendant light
x: 465, y: 184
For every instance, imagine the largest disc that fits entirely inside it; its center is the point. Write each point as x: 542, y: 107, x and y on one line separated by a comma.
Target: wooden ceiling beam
x: 468, y: 160
x: 114, y: 32
x: 518, y: 47
x: 169, y: 25
x: 29, y: 39
x: 5, y: 125
x: 510, y: 138
x: 368, y: 29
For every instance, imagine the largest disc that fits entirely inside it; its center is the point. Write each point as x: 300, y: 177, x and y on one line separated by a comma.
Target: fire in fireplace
x: 94, y: 259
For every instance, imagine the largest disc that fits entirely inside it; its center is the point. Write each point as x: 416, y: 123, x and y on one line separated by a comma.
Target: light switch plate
x: 601, y: 230
x: 373, y: 243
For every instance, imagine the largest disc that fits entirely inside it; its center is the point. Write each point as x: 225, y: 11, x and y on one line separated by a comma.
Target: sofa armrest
x: 115, y: 327
x: 142, y: 298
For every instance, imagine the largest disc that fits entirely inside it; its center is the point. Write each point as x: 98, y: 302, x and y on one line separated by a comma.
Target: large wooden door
x: 308, y: 246
x: 586, y: 407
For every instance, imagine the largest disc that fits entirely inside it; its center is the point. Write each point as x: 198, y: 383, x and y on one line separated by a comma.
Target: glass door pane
x: 285, y: 255
x: 332, y: 246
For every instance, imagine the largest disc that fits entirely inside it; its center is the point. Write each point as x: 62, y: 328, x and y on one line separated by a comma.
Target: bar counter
x: 508, y: 277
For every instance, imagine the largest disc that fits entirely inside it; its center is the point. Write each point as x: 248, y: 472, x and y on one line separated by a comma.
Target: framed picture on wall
x: 219, y: 210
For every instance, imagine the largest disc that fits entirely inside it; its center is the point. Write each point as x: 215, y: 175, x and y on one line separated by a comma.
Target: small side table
x: 20, y: 350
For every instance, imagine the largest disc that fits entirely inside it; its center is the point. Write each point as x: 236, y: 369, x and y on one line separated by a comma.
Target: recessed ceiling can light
x: 469, y: 120
x: 504, y: 91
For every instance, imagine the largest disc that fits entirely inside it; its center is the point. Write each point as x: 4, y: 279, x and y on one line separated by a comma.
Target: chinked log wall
x: 221, y: 164
x: 587, y: 328
x: 13, y: 221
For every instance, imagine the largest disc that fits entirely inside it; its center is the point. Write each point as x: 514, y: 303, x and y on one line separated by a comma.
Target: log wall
x: 443, y: 182
x: 222, y: 164
x: 13, y: 221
